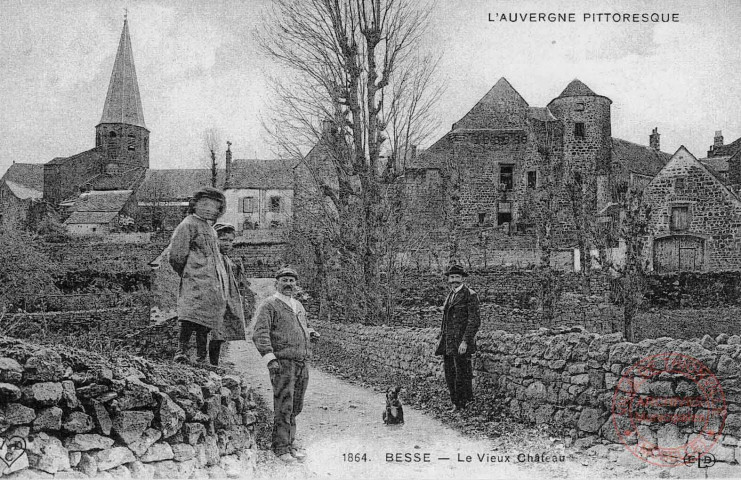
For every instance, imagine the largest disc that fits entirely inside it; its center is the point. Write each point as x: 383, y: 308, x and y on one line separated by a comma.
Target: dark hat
x: 286, y: 272
x: 224, y: 228
x: 456, y: 270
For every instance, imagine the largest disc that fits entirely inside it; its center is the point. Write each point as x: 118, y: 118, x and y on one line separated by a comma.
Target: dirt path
x: 340, y: 419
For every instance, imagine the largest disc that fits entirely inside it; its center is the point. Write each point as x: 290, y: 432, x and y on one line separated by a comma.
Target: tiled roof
x: 638, y: 158
x: 501, y: 107
x: 90, y: 217
x: 106, y: 201
x: 262, y: 174
x: 123, y: 103
x: 28, y: 175
x: 728, y: 149
x: 433, y: 157
x: 577, y: 89
x: 541, y: 113
x: 719, y: 164
x: 124, y: 180
x: 176, y: 184
x: 61, y: 160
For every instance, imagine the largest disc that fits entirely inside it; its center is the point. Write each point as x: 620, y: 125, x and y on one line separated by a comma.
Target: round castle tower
x: 587, y: 139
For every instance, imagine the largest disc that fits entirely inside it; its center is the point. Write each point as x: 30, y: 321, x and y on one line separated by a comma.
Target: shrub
x: 24, y: 270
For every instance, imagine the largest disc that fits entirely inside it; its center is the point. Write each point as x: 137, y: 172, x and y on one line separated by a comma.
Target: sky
x: 198, y: 68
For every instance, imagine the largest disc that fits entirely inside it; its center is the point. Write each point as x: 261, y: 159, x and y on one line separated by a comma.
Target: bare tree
x: 629, y: 224
x: 359, y: 83
x: 542, y: 208
x: 212, y: 140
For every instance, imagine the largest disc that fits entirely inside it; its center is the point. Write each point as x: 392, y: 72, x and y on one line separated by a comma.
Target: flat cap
x: 286, y: 272
x: 224, y: 227
x: 456, y: 270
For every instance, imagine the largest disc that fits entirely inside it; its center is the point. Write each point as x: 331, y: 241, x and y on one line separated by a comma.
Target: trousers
x: 289, y: 388
x: 459, y: 378
x: 187, y: 329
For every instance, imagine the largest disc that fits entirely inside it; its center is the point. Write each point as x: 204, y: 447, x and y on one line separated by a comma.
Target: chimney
x: 227, y: 178
x: 653, y: 139
x: 718, y: 140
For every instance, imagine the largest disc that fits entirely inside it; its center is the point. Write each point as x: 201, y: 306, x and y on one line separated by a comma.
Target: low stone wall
x: 591, y: 312
x: 83, y: 329
x: 564, y: 378
x: 68, y: 412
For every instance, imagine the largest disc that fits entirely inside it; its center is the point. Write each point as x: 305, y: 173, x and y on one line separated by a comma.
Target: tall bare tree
x: 358, y: 81
x: 630, y: 225
x: 211, y: 141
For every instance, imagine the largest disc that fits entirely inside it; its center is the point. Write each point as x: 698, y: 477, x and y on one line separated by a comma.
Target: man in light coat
x: 283, y: 338
x: 461, y: 321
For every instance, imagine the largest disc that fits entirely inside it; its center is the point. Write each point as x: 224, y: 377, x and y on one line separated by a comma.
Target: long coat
x: 194, y: 255
x: 461, y: 321
x: 232, y: 324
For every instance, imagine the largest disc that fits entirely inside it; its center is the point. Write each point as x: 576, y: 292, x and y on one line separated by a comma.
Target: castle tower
x: 121, y: 136
x: 587, y: 140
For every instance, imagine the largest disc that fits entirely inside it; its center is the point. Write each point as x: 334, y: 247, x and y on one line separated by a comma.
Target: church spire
x: 123, y: 104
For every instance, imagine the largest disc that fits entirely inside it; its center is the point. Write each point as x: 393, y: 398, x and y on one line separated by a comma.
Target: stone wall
x: 565, y: 378
x: 260, y: 260
x: 68, y: 412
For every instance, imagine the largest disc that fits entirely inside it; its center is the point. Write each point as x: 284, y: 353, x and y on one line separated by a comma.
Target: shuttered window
x: 248, y: 204
x: 680, y: 219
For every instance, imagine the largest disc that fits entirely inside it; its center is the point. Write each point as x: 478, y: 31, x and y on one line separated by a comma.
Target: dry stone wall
x: 567, y: 379
x: 71, y: 414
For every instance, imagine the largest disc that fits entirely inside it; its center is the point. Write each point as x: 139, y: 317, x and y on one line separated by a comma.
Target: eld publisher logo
x: 705, y: 460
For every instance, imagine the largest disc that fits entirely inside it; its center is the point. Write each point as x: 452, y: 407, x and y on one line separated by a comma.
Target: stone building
x: 496, y: 156
x: 21, y: 192
x: 695, y: 220
x: 121, y: 152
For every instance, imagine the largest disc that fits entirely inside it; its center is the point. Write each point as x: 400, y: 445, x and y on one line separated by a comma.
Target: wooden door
x: 678, y: 253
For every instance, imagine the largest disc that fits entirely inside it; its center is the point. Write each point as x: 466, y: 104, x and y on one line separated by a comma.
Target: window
x: 248, y: 204
x: 275, y: 205
x: 504, y: 213
x: 579, y: 130
x: 506, y: 172
x: 482, y: 218
x: 579, y: 107
x: 275, y: 224
x: 113, y: 134
x: 132, y: 142
x: 532, y: 179
x: 679, y: 185
x: 680, y: 218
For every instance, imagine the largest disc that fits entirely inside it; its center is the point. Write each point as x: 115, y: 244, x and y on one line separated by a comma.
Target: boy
x: 231, y: 326
x: 195, y: 257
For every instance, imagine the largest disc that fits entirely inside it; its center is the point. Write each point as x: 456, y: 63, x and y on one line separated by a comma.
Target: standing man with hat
x: 461, y: 321
x: 283, y: 338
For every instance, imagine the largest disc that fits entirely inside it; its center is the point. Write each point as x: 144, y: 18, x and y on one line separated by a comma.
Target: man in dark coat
x: 458, y: 337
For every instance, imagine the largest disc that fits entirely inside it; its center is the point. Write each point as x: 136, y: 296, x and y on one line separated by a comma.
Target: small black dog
x: 394, y: 413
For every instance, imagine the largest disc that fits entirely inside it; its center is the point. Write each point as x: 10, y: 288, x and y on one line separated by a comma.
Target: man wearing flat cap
x: 283, y: 338
x: 461, y: 321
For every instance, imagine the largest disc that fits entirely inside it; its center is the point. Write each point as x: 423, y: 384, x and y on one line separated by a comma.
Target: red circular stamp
x: 668, y: 408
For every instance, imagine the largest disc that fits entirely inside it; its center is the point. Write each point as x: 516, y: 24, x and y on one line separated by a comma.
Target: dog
x: 394, y: 412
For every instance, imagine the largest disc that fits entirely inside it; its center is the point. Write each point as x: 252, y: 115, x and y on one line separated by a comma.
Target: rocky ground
x: 342, y: 431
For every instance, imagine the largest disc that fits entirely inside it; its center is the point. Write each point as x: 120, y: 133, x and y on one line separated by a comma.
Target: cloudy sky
x: 198, y: 68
